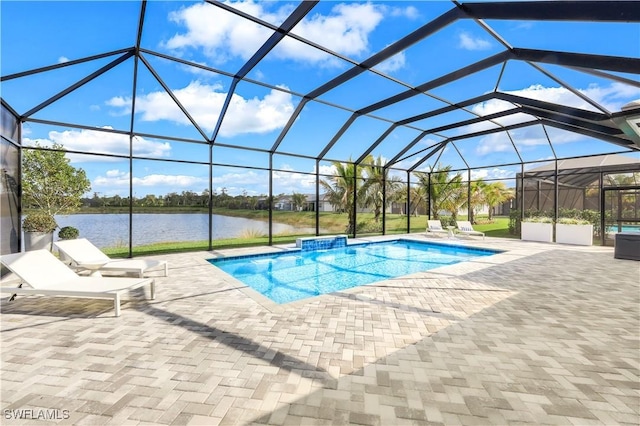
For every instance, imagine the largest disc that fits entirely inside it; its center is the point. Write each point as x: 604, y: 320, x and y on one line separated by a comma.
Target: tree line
x: 184, y: 199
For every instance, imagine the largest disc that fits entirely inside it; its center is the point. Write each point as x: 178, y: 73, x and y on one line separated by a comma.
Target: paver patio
x: 539, y: 334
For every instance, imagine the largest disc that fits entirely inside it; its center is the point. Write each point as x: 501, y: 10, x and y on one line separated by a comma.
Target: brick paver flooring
x: 538, y: 334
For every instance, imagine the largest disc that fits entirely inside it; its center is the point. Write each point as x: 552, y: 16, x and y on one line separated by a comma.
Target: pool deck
x: 538, y: 334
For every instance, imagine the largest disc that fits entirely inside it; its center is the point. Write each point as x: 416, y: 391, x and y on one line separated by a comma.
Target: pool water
x: 624, y: 228
x: 296, y: 275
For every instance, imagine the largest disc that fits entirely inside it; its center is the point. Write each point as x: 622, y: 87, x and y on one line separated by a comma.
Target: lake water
x: 108, y: 230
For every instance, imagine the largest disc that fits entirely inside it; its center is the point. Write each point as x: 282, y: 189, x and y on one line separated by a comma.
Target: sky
x: 38, y: 34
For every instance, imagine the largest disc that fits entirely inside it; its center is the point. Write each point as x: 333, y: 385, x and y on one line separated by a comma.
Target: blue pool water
x: 625, y: 228
x: 295, y: 275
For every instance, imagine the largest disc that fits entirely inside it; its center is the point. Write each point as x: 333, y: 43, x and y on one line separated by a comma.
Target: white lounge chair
x: 46, y: 275
x: 85, y: 256
x: 435, y: 227
x: 465, y: 227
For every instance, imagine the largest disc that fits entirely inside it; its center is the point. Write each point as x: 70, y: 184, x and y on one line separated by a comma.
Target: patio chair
x: 48, y: 276
x: 83, y: 255
x: 465, y: 227
x: 435, y: 227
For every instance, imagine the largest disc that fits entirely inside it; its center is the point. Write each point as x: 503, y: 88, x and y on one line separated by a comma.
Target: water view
x: 109, y: 230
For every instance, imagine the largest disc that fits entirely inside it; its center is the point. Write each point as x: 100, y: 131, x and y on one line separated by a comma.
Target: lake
x: 109, y: 230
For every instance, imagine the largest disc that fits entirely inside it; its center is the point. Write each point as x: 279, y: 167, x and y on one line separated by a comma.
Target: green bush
x: 514, y: 222
x: 447, y: 221
x: 39, y: 222
x: 582, y: 216
x: 68, y: 233
x: 537, y: 213
x: 539, y: 219
x: 369, y: 227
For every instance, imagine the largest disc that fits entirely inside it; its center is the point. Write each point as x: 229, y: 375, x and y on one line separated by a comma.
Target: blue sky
x: 36, y: 34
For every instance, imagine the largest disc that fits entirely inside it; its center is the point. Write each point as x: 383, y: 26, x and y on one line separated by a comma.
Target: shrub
x: 572, y: 221
x: 369, y: 227
x: 537, y: 213
x: 68, y: 233
x: 514, y: 222
x: 538, y: 219
x: 251, y: 233
x: 39, y: 222
x: 583, y: 217
x: 447, y: 221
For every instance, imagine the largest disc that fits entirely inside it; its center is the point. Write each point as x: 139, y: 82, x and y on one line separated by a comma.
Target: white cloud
x: 394, y: 63
x: 204, y: 103
x: 254, y: 182
x: 117, y: 178
x: 63, y: 59
x: 294, y: 182
x: 492, y: 174
x: 500, y: 142
x: 258, y: 75
x: 611, y: 97
x: 223, y: 36
x: 212, y: 29
x: 102, y: 142
x: 468, y: 42
x: 346, y: 30
x: 409, y: 12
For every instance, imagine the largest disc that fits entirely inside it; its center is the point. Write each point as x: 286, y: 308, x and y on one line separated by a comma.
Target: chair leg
x: 153, y: 289
x: 13, y: 297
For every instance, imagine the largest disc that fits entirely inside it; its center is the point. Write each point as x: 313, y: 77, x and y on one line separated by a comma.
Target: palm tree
x: 443, y: 189
x: 478, y: 189
x: 298, y: 201
x: 496, y: 193
x: 341, y: 188
x: 418, y: 196
x: 456, y: 196
x: 377, y: 178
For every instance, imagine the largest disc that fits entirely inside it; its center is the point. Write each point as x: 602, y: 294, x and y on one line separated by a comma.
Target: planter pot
x: 38, y: 240
x: 574, y: 234
x: 536, y: 231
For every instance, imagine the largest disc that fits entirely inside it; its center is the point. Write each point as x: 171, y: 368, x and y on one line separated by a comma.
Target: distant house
x: 285, y: 203
x: 323, y: 206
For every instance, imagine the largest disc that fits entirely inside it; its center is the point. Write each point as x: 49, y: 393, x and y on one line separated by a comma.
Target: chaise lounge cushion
x: 82, y: 252
x: 46, y: 275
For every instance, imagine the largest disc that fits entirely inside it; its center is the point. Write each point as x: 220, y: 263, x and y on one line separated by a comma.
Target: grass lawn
x: 498, y: 228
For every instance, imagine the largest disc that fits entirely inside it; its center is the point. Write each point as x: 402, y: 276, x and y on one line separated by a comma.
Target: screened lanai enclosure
x: 213, y: 122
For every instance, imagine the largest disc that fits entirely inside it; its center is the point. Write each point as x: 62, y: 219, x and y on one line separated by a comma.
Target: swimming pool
x: 625, y: 228
x: 296, y: 275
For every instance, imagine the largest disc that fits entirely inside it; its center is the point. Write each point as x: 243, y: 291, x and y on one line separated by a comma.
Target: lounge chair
x: 435, y: 227
x: 83, y: 255
x: 465, y: 227
x: 48, y: 276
